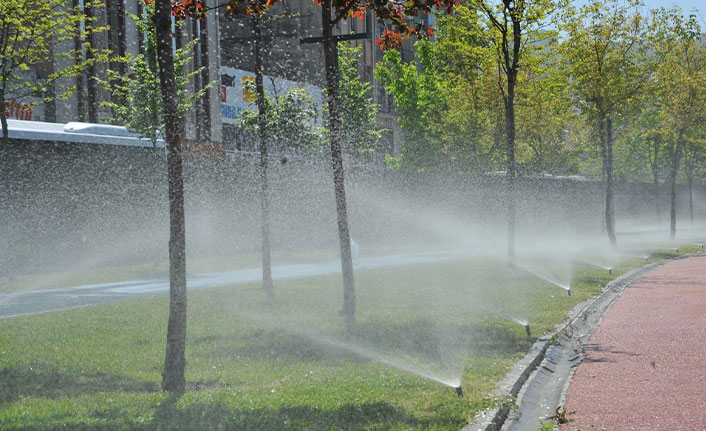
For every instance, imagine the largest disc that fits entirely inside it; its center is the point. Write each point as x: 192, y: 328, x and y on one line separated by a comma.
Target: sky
x: 687, y: 5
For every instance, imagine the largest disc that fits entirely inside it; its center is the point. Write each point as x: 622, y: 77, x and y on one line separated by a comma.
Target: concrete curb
x: 558, y: 352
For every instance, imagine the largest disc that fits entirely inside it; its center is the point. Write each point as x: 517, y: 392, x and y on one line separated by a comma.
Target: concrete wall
x: 67, y: 205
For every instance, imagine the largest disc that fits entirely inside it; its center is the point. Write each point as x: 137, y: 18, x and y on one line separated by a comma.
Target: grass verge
x: 286, y: 365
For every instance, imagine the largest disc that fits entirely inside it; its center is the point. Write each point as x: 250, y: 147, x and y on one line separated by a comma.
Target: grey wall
x: 66, y: 205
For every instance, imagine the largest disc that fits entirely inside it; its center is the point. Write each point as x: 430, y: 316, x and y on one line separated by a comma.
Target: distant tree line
x: 608, y: 90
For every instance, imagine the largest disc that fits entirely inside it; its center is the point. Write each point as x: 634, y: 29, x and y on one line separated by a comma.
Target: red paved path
x: 645, y: 366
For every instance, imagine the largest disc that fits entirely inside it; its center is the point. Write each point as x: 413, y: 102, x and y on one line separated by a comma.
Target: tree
x: 291, y: 123
x: 418, y: 96
x: 136, y: 99
x: 603, y: 52
x: 447, y: 102
x: 544, y: 112
x: 333, y: 12
x: 514, y: 26
x: 262, y: 126
x: 678, y: 46
x: 694, y: 157
x: 648, y: 141
x: 452, y: 104
x: 173, y: 378
x: 359, y: 130
x: 287, y: 120
x: 28, y: 31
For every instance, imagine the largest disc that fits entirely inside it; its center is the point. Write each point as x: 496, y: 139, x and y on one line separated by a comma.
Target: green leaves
x: 28, y: 29
x: 603, y: 54
x: 291, y: 122
x: 136, y: 99
x: 360, y: 133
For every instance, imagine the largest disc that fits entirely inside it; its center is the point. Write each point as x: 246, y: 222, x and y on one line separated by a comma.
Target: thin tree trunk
x: 609, y: 199
x: 655, y: 178
x: 151, y: 55
x: 331, y: 63
x: 264, y: 162
x: 602, y: 136
x: 206, y: 99
x: 173, y: 378
x: 676, y: 158
x: 511, y: 65
x: 91, y: 85
x: 122, y: 36
x: 78, y: 41
x: 655, y: 183
x: 689, y: 170
x: 196, y: 60
x: 690, y: 179
x: 511, y: 165
x: 3, y: 120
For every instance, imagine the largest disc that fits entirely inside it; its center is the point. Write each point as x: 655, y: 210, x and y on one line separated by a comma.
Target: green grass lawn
x: 253, y: 364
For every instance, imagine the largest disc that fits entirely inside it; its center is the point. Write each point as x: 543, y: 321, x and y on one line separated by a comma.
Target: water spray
x: 459, y: 391
x: 597, y: 265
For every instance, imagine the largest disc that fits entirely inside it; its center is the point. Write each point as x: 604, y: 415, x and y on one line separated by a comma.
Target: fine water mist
x: 438, y: 292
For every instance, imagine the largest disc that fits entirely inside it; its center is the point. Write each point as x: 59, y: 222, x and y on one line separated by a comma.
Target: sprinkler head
x: 610, y: 271
x: 568, y: 292
x: 527, y: 329
x: 459, y: 391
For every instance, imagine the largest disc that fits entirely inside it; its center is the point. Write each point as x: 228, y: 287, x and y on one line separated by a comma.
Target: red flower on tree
x: 393, y: 13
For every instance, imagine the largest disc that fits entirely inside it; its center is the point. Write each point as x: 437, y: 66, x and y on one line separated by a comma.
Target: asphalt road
x: 42, y: 301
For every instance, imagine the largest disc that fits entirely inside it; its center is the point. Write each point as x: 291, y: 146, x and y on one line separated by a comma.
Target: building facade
x: 226, y: 52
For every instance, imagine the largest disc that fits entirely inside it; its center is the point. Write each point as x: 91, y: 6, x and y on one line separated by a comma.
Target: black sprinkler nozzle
x: 459, y: 391
x: 529, y: 332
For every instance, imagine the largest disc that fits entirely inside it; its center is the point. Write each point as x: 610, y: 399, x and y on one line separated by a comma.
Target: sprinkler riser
x: 529, y: 332
x: 459, y: 391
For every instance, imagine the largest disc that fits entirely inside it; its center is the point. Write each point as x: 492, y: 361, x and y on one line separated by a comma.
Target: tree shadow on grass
x: 352, y: 417
x: 16, y: 383
x: 274, y: 344
x: 428, y: 341
x: 173, y: 413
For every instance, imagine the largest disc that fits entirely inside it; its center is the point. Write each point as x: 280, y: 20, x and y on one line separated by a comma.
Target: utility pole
x: 336, y: 38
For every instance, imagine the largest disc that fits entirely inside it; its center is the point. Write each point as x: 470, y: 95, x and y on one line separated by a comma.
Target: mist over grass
x: 64, y: 229
x: 288, y: 364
